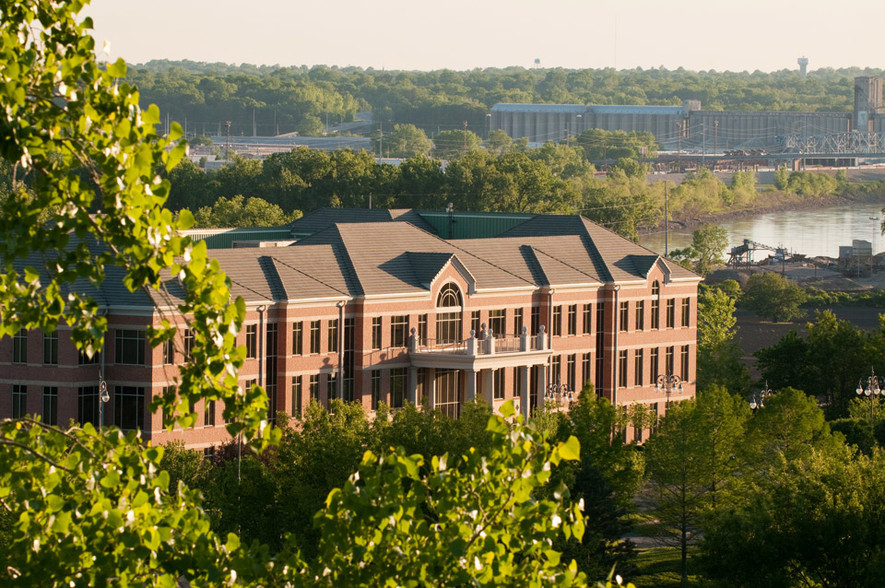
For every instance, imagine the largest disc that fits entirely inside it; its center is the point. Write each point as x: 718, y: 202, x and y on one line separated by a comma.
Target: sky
x: 744, y: 35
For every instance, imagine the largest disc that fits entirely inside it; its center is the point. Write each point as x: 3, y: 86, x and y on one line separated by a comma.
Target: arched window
x: 655, y: 288
x: 449, y: 296
x: 656, y: 305
x: 448, y: 317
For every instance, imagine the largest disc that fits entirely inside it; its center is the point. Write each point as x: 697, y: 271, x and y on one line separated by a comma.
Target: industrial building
x: 432, y: 308
x: 689, y: 127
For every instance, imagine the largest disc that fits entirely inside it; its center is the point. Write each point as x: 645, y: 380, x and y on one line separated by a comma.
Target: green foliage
x: 498, y: 142
x: 477, y: 521
x: 454, y: 144
x: 690, y: 461
x: 601, y: 145
x: 811, y: 184
x: 94, y: 156
x: 774, y: 297
x: 406, y: 141
x: 606, y: 478
x: 719, y: 353
x: 705, y: 251
x: 92, y: 508
x: 240, y: 212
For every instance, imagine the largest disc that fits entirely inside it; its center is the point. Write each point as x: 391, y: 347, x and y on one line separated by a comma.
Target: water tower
x: 803, y: 66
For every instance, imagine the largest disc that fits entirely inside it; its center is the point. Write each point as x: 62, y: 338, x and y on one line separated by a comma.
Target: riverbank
x: 773, y: 201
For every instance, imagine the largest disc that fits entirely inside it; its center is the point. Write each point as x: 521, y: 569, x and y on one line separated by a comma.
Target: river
x: 816, y: 232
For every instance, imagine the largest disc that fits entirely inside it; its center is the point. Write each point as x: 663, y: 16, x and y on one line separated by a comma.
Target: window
x: 637, y: 366
x: 314, y: 336
x: 600, y: 383
x: 50, y: 405
x: 87, y: 405
x: 19, y: 401
x: 684, y: 362
x: 655, y: 288
x: 448, y: 324
x: 671, y: 313
x: 376, y: 388
x: 556, y: 369
x: 397, y: 387
x: 297, y: 338
x: 655, y: 314
x: 640, y: 315
x: 168, y: 352
x: 570, y: 375
x: 686, y: 311
x: 536, y: 320
x: 622, y: 368
x: 474, y: 322
x: 399, y: 330
x: 314, y: 387
x: 637, y: 434
x: 585, y: 369
x: 296, y: 396
x: 129, y: 346
x: 654, y: 364
x: 587, y: 319
x: 498, y: 322
x: 422, y: 327
x: 332, y: 333
x: 573, y: 319
x: 251, y: 341
x: 517, y: 321
x: 50, y: 348
x: 669, y: 359
x: 20, y: 347
x: 557, y: 321
x: 209, y: 414
x: 623, y: 316
x: 188, y: 343
x: 498, y: 384
x: 129, y: 407
x: 376, y: 332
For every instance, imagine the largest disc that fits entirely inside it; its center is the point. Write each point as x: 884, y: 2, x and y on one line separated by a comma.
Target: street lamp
x: 557, y: 393
x: 758, y: 399
x: 873, y: 389
x: 668, y: 383
x: 103, y: 397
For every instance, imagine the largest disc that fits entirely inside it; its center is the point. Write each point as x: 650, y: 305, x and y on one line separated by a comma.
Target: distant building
x: 688, y: 127
x: 530, y: 308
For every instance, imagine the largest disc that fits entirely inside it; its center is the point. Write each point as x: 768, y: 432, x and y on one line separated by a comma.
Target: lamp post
x: 668, y: 383
x: 758, y: 398
x: 103, y: 397
x: 872, y: 389
x: 557, y: 393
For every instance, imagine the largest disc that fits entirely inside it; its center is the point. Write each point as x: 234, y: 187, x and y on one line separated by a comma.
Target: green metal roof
x: 472, y: 225
x: 225, y: 238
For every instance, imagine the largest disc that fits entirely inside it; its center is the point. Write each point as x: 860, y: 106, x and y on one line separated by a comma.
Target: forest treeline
x: 275, y: 99
x: 549, y: 179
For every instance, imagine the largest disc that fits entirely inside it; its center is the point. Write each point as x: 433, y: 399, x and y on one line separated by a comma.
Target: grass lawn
x: 660, y: 567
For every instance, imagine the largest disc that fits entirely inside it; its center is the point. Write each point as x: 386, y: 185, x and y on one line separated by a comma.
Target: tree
x: 705, y: 251
x: 256, y: 212
x: 774, y: 297
x: 454, y: 144
x: 690, y: 460
x: 606, y: 478
x: 498, y: 142
x: 452, y: 520
x: 93, y: 508
x: 406, y: 141
x: 94, y: 157
x: 719, y: 353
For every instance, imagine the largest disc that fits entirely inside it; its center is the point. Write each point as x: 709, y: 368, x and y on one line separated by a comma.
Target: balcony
x: 480, y: 352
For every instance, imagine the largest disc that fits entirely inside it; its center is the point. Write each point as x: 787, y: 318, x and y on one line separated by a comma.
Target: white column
x: 488, y: 387
x: 525, y: 398
x: 471, y: 385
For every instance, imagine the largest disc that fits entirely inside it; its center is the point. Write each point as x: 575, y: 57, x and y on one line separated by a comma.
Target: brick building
x: 389, y: 311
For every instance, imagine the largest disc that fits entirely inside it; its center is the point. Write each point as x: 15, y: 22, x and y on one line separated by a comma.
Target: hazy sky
x: 734, y: 35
